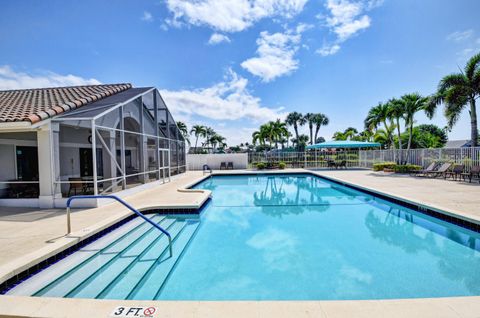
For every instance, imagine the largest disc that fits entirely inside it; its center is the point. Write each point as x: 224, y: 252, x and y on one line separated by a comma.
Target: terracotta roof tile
x: 38, y: 104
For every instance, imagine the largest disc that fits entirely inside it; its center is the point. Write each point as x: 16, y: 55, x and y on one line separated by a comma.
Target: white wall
x: 196, y: 161
x: 7, y: 169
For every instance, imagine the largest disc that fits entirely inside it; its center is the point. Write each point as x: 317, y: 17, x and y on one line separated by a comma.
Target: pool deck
x: 28, y: 236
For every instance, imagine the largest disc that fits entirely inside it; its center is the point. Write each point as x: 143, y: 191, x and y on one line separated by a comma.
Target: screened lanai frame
x: 158, y: 151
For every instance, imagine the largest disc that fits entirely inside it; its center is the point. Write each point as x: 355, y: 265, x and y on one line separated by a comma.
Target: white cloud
x: 227, y: 100
x: 459, y: 36
x: 345, y: 18
x: 230, y: 16
x: 217, y: 38
x: 147, y: 16
x: 327, y: 50
x: 276, y: 54
x: 10, y: 79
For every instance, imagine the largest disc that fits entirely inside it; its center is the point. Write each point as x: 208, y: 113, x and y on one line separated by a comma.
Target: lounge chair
x: 331, y: 164
x: 342, y: 164
x: 230, y: 165
x: 473, y: 173
x: 455, y: 172
x: 223, y: 166
x: 440, y: 171
x: 424, y: 171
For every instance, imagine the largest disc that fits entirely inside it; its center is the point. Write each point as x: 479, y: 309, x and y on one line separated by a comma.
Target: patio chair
x: 440, y: 171
x: 331, y: 164
x: 206, y: 168
x: 230, y: 165
x: 455, y: 172
x: 223, y: 166
x: 76, y: 184
x: 424, y: 171
x: 342, y: 164
x: 473, y: 173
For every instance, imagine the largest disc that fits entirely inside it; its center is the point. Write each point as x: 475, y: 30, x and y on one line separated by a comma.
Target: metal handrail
x: 155, y: 225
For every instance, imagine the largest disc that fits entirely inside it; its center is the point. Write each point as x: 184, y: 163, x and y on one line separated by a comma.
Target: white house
x: 95, y: 139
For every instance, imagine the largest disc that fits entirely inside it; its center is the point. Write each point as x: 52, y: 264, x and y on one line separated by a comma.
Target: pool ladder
x: 128, y: 206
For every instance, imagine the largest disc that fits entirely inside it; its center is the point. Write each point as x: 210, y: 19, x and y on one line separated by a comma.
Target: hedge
x: 382, y: 165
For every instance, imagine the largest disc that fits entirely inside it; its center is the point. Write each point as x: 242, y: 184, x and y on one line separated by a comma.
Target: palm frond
x: 451, y: 81
x: 473, y: 66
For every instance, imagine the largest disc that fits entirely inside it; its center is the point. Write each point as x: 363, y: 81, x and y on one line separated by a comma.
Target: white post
x: 94, y: 157
x: 46, y: 170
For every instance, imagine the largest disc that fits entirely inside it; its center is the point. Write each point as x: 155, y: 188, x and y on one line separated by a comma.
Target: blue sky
x: 234, y: 65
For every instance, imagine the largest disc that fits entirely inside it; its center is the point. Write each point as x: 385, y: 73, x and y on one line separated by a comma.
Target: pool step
x: 51, y: 273
x: 130, y: 262
x: 124, y: 284
x: 73, y: 276
x: 108, y: 272
x: 149, y: 287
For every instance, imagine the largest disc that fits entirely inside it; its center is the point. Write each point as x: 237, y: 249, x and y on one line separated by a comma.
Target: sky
x: 236, y: 64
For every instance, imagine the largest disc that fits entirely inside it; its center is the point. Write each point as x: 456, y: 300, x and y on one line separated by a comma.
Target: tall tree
x: 209, y: 132
x: 309, y: 118
x: 380, y: 114
x: 295, y: 119
x: 198, y: 131
x: 413, y: 103
x: 457, y: 91
x: 319, y: 121
x: 397, y: 112
x: 183, y: 130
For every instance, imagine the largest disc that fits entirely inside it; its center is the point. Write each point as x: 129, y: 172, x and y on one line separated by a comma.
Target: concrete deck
x: 34, y: 235
x: 458, y: 198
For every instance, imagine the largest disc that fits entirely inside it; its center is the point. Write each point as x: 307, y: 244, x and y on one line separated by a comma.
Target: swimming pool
x: 274, y: 237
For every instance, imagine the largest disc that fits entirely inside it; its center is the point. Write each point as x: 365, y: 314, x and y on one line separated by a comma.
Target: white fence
x: 468, y: 157
x: 196, y: 162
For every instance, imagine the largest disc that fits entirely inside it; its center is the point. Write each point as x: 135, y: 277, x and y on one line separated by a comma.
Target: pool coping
x: 422, y: 307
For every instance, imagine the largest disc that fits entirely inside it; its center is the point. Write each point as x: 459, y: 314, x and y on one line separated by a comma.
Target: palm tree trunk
x: 399, y: 141
x: 317, y: 129
x: 196, y: 140
x: 295, y: 127
x: 473, y: 121
x: 410, y: 135
x: 310, y: 127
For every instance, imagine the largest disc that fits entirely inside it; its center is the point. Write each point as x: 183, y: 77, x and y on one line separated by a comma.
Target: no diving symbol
x: 149, y: 311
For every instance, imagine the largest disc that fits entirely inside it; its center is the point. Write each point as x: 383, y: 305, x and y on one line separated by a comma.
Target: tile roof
x: 37, y: 104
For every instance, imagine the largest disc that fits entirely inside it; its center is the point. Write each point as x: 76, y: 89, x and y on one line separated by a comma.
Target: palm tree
x: 183, y: 130
x: 397, y: 112
x: 309, y: 118
x: 379, y: 115
x: 385, y: 135
x: 198, y: 131
x: 319, y: 121
x: 458, y: 90
x: 413, y: 103
x: 301, y: 142
x: 278, y: 131
x: 295, y: 119
x: 348, y: 134
x: 215, y: 140
x: 260, y: 135
x: 209, y: 132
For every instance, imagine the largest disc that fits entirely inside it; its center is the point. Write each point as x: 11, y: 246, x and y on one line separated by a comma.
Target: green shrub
x: 282, y: 165
x: 382, y: 165
x: 406, y: 168
x: 261, y: 165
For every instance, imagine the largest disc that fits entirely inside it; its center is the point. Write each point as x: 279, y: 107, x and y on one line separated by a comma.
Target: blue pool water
x: 281, y: 237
